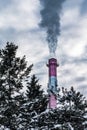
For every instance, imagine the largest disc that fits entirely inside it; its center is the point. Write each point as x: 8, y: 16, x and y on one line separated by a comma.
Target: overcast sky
x: 19, y: 23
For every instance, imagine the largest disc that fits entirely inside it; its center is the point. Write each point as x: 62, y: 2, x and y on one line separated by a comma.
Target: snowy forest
x: 27, y: 110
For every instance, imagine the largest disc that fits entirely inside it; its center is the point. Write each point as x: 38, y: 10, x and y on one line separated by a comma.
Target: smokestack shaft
x: 52, y: 86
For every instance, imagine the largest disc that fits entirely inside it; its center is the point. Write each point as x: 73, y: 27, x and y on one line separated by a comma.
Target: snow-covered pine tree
x: 36, y: 103
x: 70, y: 114
x: 74, y: 108
x: 13, y: 72
x: 53, y: 119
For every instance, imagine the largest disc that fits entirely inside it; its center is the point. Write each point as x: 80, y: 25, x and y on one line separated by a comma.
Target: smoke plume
x: 51, y: 21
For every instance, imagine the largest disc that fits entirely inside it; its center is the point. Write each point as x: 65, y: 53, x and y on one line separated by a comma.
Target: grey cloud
x: 39, y: 64
x: 85, y: 51
x: 8, y: 34
x: 84, y: 7
x: 40, y: 74
x: 66, y: 72
x: 70, y: 60
x: 64, y: 59
x: 83, y: 89
x: 80, y: 79
x: 11, y: 34
x: 80, y: 60
x: 71, y: 3
x: 5, y: 3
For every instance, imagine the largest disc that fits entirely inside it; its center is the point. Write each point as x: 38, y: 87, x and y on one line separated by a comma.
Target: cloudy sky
x: 19, y: 23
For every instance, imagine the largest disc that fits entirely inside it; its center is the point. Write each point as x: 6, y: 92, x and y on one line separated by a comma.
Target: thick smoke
x: 51, y: 21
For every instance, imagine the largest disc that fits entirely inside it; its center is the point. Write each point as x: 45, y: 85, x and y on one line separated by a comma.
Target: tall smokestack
x: 50, y: 21
x: 52, y: 85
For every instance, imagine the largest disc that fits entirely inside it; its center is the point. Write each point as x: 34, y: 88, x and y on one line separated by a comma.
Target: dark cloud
x: 79, y: 60
x: 82, y: 87
x: 71, y: 4
x: 12, y: 34
x: 73, y: 60
x: 84, y: 7
x: 5, y: 3
x: 80, y: 79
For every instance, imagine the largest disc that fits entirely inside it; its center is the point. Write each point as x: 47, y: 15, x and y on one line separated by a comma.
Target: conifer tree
x: 36, y: 103
x: 75, y: 106
x: 70, y: 114
x: 13, y: 73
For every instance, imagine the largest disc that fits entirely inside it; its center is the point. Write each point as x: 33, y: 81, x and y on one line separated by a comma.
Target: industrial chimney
x: 52, y: 85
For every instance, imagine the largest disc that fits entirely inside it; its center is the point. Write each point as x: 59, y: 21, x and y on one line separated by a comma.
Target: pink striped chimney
x: 52, y: 85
